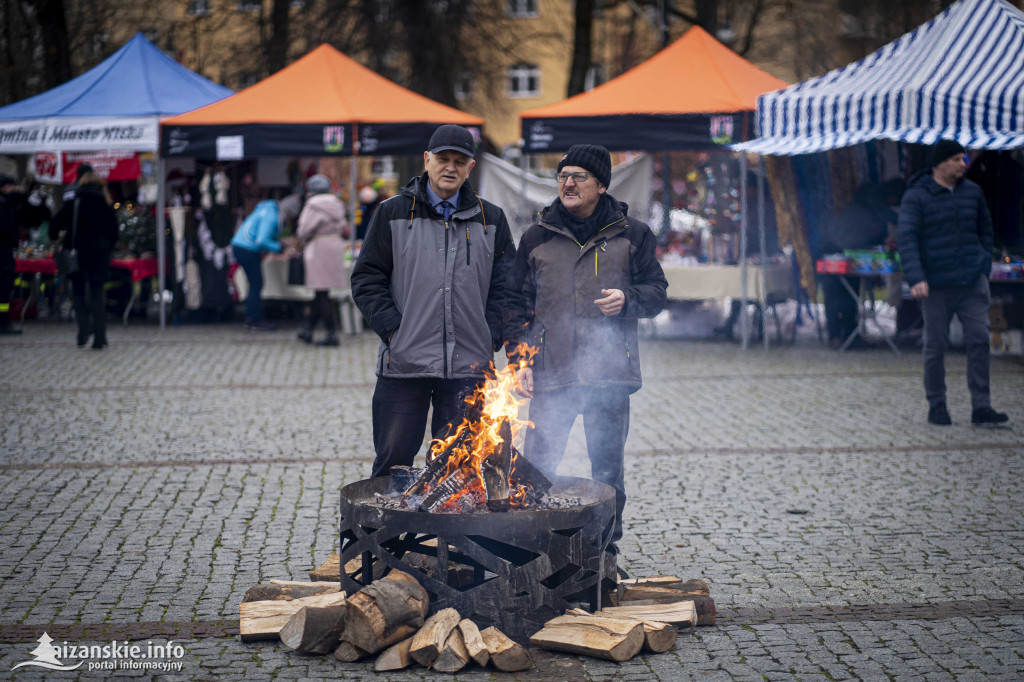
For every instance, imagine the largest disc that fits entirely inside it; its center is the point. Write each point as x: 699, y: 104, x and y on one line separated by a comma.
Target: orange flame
x: 497, y: 403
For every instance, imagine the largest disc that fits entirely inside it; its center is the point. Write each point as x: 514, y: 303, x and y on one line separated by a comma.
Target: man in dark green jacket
x: 583, y: 275
x: 945, y: 243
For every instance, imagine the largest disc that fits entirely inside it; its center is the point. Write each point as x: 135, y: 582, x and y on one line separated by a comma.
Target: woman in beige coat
x: 320, y: 236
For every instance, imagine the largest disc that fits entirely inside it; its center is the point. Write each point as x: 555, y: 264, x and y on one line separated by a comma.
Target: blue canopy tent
x: 116, y: 105
x: 960, y: 76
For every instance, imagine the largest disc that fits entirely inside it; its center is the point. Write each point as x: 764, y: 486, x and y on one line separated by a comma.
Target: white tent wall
x: 521, y: 194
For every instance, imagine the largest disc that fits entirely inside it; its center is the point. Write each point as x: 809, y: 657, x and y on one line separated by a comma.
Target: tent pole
x: 524, y: 204
x: 764, y: 245
x: 744, y: 319
x: 666, y: 192
x: 161, y: 243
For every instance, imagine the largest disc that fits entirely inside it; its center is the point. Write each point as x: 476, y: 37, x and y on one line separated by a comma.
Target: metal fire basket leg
x: 514, y: 569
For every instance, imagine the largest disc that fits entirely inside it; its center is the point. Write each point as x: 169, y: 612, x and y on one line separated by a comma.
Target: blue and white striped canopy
x: 959, y: 77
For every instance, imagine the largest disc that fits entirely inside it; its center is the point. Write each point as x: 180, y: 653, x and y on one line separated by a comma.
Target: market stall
x: 708, y: 107
x: 114, y: 107
x: 958, y: 76
x: 322, y: 105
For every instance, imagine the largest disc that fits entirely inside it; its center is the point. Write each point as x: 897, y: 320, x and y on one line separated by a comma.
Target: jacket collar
x: 467, y: 205
x: 551, y: 219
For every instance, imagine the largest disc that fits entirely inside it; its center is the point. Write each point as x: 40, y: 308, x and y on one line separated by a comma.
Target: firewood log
x: 329, y: 570
x: 385, y: 611
x: 286, y: 590
x: 678, y: 613
x: 505, y: 654
x: 658, y: 637
x: 314, y: 630
x: 259, y: 620
x: 610, y: 638
x: 395, y: 657
x: 663, y: 590
x: 474, y: 643
x: 429, y: 641
x: 349, y: 652
x: 454, y: 656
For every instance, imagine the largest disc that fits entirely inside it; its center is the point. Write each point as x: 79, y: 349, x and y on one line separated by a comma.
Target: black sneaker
x: 938, y: 414
x: 986, y: 415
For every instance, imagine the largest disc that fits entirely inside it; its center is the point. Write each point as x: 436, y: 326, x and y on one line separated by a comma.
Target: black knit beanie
x: 944, y: 149
x: 592, y: 157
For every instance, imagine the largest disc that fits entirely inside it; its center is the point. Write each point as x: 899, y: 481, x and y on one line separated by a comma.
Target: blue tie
x: 447, y: 209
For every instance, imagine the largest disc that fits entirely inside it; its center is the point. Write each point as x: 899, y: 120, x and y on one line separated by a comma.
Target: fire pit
x: 514, y: 569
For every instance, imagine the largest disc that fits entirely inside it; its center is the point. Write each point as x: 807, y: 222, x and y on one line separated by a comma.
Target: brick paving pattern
x: 145, y: 488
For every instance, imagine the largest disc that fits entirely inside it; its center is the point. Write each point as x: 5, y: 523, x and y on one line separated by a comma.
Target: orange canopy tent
x: 694, y: 94
x: 314, y: 107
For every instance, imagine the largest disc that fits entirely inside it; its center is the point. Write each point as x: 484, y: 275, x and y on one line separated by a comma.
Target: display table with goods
x: 871, y: 268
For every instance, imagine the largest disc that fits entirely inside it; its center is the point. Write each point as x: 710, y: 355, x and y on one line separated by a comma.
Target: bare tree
x: 581, y: 46
x: 53, y: 30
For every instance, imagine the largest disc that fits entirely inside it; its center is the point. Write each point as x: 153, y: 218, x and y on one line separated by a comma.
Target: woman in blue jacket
x: 255, y: 236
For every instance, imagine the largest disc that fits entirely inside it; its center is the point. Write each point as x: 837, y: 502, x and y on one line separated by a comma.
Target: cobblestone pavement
x: 144, y: 488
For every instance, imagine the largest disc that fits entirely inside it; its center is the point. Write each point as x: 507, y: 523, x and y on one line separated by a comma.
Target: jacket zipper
x: 444, y: 313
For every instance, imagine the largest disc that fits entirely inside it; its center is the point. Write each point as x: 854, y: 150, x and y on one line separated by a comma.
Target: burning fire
x: 480, y: 453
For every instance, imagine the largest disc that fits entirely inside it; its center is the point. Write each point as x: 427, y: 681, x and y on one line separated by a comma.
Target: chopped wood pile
x: 387, y: 619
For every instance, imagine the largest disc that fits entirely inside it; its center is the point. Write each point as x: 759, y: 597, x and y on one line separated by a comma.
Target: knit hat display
x: 318, y: 184
x: 452, y: 138
x: 592, y: 157
x: 944, y: 149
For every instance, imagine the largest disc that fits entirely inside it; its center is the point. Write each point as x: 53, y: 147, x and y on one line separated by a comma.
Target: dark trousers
x: 605, y: 424
x: 840, y: 307
x: 400, y: 416
x: 970, y: 304
x: 323, y: 308
x: 250, y: 263
x: 7, y: 275
x: 90, y: 310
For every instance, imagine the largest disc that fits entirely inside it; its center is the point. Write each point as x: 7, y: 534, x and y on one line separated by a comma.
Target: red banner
x: 111, y: 166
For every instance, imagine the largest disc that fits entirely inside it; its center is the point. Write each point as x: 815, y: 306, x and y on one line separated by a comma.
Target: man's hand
x: 524, y: 382
x: 919, y: 290
x: 612, y: 302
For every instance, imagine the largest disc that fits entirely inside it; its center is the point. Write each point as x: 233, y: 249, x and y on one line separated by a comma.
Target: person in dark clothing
x: 370, y: 198
x: 8, y: 244
x: 861, y: 224
x: 431, y: 280
x: 95, y: 236
x: 945, y: 242
x: 583, y: 275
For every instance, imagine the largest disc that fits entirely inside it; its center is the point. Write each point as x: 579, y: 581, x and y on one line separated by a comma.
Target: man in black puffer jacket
x: 582, y: 277
x: 945, y: 244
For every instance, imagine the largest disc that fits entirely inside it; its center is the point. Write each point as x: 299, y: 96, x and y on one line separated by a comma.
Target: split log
x: 258, y: 620
x: 330, y: 570
x: 436, y: 467
x: 658, y: 637
x: 496, y: 468
x: 281, y: 590
x: 349, y: 652
x: 314, y: 630
x: 679, y: 613
x: 665, y: 590
x: 474, y: 643
x: 395, y: 657
x: 610, y: 638
x: 524, y: 473
x: 385, y: 611
x: 505, y: 654
x: 443, y: 491
x: 454, y: 656
x: 431, y: 638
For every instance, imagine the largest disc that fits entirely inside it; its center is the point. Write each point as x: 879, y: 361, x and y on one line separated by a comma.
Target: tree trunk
x: 581, y: 46
x: 277, y: 45
x: 53, y: 27
x: 386, y: 611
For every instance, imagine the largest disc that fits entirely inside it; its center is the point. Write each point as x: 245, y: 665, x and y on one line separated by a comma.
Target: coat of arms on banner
x: 721, y: 129
x: 334, y: 138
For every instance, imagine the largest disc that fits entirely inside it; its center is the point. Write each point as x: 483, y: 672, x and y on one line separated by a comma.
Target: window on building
x: 524, y: 80
x: 521, y: 8
x: 249, y: 5
x: 463, y: 87
x: 199, y: 7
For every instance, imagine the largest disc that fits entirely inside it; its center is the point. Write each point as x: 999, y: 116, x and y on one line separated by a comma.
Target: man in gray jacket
x: 945, y: 243
x: 431, y: 280
x: 584, y: 274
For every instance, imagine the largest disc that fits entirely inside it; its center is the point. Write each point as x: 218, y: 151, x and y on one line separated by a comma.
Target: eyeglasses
x: 577, y: 177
